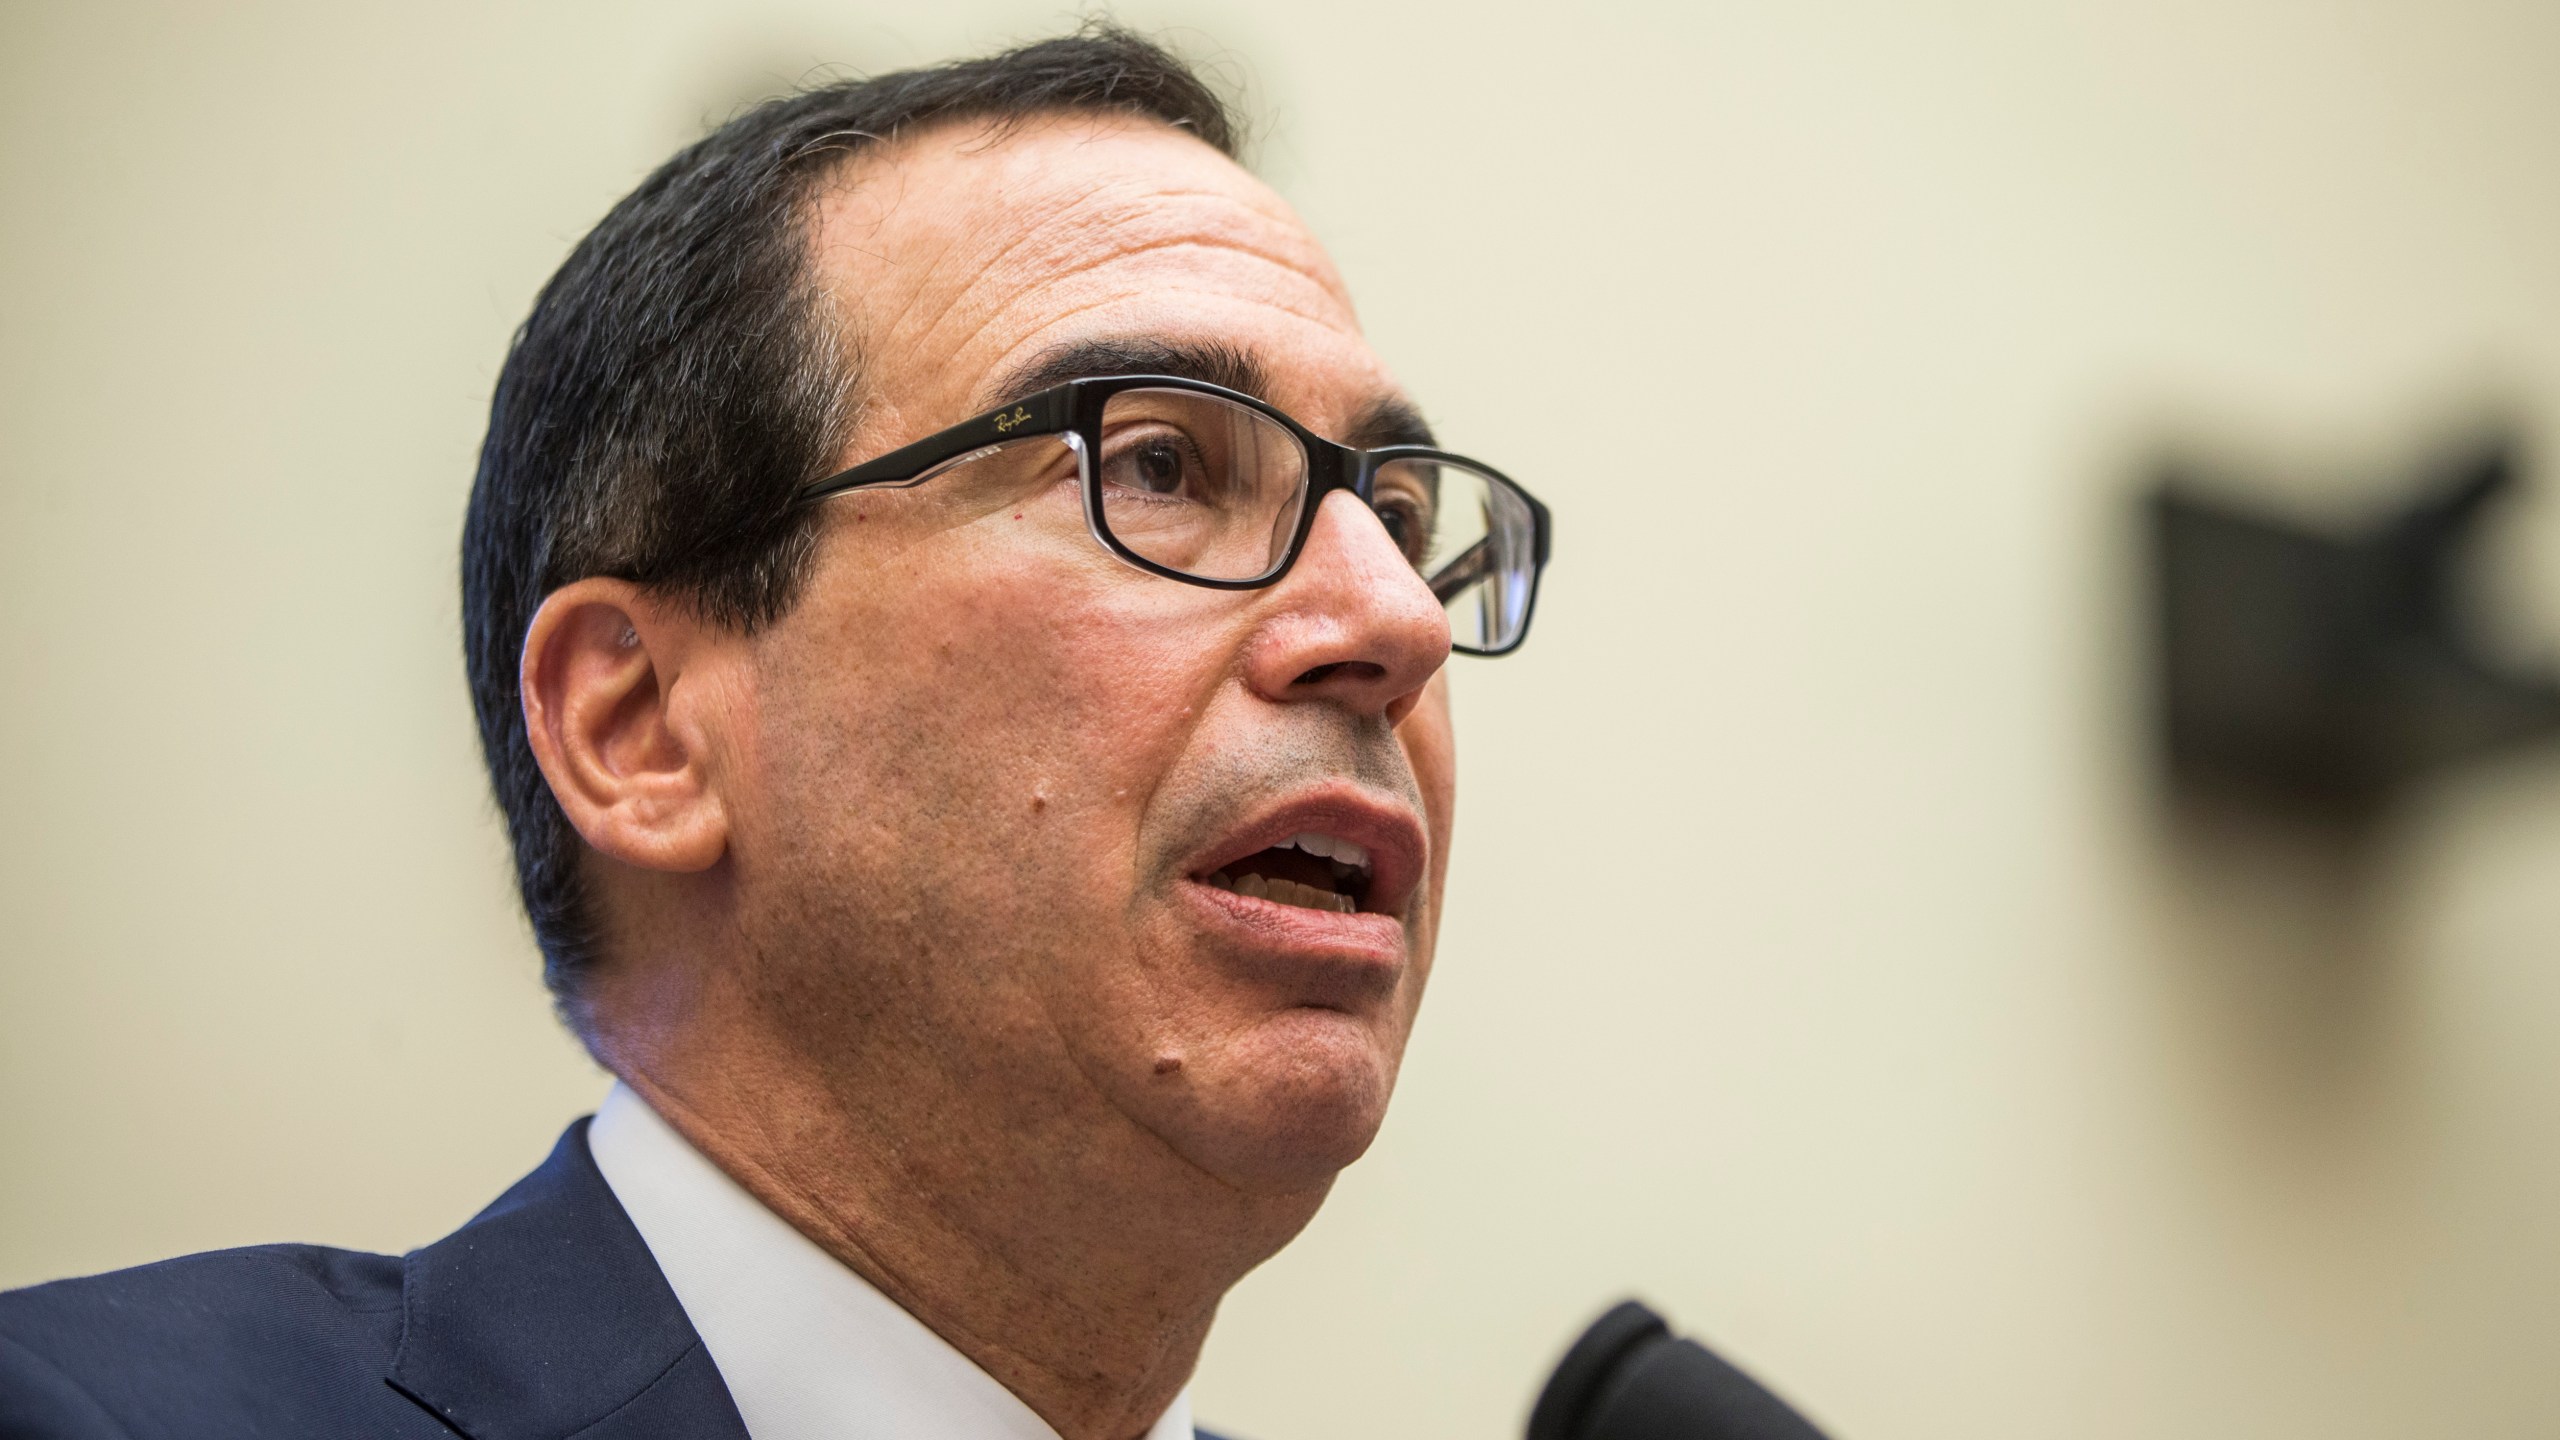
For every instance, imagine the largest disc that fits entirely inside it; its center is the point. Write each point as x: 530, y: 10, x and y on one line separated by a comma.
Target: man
x: 975, y: 748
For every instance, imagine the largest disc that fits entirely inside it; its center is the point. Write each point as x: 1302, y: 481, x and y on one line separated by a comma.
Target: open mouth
x: 1313, y: 871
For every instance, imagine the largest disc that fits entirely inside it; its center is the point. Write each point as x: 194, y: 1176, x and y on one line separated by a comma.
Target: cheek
x: 1003, y: 709
x: 1098, y: 685
x: 1430, y: 746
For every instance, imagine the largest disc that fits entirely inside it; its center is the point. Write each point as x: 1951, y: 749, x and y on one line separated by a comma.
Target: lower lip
x: 1362, y: 940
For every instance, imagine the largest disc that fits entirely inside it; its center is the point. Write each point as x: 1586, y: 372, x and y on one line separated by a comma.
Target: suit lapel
x: 546, y: 1317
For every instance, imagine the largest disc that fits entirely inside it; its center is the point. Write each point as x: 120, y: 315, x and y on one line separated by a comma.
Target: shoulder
x: 278, y: 1339
x: 543, y: 1315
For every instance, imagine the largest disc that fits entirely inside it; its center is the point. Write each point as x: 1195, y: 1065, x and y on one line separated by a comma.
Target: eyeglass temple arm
x: 1477, y: 561
x: 1473, y: 564
x: 1046, y: 413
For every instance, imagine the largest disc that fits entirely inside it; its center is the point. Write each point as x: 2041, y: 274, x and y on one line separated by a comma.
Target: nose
x: 1351, y: 624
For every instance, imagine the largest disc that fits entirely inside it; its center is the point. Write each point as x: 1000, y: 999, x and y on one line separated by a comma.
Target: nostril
x: 1354, y: 669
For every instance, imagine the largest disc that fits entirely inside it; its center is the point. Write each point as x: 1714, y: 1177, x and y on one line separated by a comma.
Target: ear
x: 605, y: 689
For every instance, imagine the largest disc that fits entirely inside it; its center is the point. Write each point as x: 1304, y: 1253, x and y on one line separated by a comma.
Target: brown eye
x: 1163, y: 463
x: 1407, y: 525
x: 1156, y: 467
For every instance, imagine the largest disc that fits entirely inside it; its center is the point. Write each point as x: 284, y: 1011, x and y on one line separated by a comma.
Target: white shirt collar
x: 810, y: 1350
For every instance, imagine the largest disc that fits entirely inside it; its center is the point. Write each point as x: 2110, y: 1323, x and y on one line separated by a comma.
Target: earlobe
x: 602, y: 672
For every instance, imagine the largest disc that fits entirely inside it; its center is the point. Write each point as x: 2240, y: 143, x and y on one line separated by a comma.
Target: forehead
x: 965, y: 251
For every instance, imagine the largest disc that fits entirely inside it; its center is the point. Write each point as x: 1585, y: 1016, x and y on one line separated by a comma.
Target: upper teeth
x: 1332, y: 848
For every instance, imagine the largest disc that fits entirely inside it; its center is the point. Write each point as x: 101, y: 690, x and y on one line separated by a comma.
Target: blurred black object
x: 2323, y: 671
x: 1630, y: 1378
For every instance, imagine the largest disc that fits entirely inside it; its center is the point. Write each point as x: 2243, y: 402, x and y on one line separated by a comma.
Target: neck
x: 1070, y: 1255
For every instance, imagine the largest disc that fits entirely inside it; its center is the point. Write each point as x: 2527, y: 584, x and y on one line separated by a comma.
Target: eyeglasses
x: 1202, y: 484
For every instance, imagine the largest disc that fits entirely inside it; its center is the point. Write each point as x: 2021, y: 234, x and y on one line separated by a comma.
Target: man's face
x: 992, y: 772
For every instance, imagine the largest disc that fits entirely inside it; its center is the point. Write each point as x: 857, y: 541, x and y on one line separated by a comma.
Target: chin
x: 1291, y: 1102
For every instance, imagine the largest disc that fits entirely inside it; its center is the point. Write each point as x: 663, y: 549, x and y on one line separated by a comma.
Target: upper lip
x: 1390, y: 832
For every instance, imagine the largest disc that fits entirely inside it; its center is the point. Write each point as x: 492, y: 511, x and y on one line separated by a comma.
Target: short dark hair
x: 679, y: 378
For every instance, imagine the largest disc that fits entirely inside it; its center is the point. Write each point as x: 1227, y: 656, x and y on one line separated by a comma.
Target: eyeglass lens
x: 1199, y: 485
x: 1213, y: 489
x: 1472, y: 537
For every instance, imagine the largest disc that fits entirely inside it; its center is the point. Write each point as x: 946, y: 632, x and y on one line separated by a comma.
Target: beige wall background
x: 1823, y: 964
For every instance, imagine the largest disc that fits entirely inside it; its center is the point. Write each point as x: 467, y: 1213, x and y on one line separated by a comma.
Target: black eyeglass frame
x: 1074, y: 410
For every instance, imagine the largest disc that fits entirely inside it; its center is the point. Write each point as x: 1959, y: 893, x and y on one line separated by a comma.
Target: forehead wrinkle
x: 1207, y: 217
x: 1055, y: 240
x: 1081, y: 233
x: 1118, y: 206
x: 1139, y: 235
x: 944, y: 296
x: 892, y: 191
x: 1290, y: 297
x: 988, y: 388
x: 1320, y: 316
x: 1125, y: 195
x: 1316, y: 318
x: 942, y: 254
x: 1123, y: 208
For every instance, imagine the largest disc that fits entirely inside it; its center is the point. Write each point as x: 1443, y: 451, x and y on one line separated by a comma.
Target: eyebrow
x: 1386, y: 420
x: 1213, y: 364
x: 1391, y: 420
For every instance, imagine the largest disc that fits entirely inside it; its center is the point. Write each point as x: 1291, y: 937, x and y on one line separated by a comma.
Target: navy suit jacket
x: 543, y: 1318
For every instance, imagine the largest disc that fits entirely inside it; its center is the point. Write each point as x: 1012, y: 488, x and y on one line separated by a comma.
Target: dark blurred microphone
x: 1630, y: 1378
